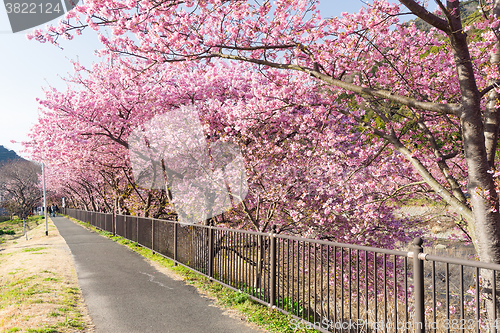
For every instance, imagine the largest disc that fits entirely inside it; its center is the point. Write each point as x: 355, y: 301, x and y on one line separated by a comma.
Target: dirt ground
x: 39, y: 288
x: 38, y: 285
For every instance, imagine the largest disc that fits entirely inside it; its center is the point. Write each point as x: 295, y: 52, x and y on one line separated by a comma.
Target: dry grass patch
x: 38, y: 285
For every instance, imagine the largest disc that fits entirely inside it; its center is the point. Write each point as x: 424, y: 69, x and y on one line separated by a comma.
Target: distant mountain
x: 6, y: 154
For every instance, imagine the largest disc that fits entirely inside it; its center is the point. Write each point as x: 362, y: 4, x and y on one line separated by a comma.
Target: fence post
x: 211, y: 250
x: 125, y: 227
x: 175, y: 242
x: 418, y: 281
x: 153, y: 236
x: 272, y: 293
x: 113, y: 223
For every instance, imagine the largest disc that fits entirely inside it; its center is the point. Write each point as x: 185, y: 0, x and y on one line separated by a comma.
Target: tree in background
x: 20, y: 187
x: 303, y: 175
x: 431, y: 96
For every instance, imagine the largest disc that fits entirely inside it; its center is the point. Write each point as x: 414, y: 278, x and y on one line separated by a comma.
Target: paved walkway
x: 125, y: 294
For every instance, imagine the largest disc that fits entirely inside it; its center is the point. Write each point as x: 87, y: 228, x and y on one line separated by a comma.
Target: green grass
x: 32, y: 220
x: 42, y: 330
x: 34, y: 249
x: 15, y: 271
x: 257, y: 313
x: 13, y: 329
x: 21, y: 291
x: 39, y: 288
x: 51, y: 279
x: 73, y: 323
x: 15, y: 226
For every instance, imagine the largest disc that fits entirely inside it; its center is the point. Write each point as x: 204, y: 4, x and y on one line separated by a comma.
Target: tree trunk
x: 148, y: 204
x: 491, y: 117
x: 259, y: 267
x: 481, y: 186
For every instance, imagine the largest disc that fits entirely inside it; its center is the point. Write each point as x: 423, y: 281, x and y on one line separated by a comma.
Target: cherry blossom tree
x: 20, y: 186
x: 302, y: 172
x: 430, y: 96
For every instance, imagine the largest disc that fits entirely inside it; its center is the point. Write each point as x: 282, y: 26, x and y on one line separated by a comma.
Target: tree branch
x: 427, y: 16
x: 486, y: 90
x: 454, y: 109
x: 443, y: 166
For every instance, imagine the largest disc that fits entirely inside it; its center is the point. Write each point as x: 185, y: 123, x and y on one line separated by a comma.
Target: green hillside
x: 6, y: 154
x: 466, y: 8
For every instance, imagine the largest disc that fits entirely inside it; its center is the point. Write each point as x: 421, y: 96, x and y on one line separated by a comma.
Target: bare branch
x: 427, y: 16
x: 486, y: 90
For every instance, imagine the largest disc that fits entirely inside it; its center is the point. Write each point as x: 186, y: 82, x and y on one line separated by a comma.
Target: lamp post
x: 44, y: 200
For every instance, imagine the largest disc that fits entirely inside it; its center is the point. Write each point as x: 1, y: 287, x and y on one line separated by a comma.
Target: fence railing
x: 332, y: 287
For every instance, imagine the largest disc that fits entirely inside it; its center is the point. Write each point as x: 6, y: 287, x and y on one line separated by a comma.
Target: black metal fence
x: 328, y: 286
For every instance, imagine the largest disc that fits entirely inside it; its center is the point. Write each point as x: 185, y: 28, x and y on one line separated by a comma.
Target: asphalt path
x: 125, y: 294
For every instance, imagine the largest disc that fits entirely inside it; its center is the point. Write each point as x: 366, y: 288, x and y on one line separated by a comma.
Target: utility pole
x: 44, y: 200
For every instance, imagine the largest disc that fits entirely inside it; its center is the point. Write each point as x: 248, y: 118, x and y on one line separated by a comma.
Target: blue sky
x: 27, y: 66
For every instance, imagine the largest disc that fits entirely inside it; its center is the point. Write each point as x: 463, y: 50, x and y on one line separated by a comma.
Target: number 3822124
x: 33, y: 8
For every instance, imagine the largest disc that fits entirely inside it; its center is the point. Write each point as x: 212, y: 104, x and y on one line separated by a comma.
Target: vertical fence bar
x: 342, y: 292
x: 272, y: 295
x: 375, y: 286
x: 366, y: 286
x: 175, y: 242
x: 234, y: 242
x: 418, y: 281
x: 225, y: 257
x: 385, y: 292
x: 315, y: 281
x: 434, y: 308
x: 462, y: 311
x: 478, y: 314
x: 406, y: 292
x: 335, y: 284
x: 357, y: 289
x: 395, y: 294
x: 494, y: 298
x: 293, y: 277
x: 349, y: 258
x: 321, y: 283
x: 216, y: 255
x: 447, y: 276
x: 308, y: 281
x: 328, y: 283
x: 211, y: 249
x: 279, y: 272
x: 247, y: 262
x: 288, y: 275
x: 235, y: 257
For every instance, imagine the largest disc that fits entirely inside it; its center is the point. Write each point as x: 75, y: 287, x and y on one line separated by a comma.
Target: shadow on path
x: 125, y: 294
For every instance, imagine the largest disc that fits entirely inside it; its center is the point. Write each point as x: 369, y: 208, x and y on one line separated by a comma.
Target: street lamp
x: 44, y: 200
